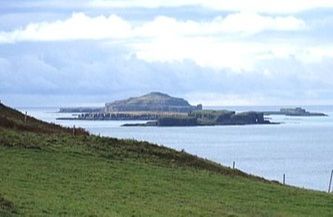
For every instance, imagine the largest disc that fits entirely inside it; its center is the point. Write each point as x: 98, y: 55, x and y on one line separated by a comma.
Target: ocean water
x: 299, y: 147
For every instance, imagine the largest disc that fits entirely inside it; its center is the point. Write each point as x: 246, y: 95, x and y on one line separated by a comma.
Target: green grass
x: 57, y: 174
x: 74, y: 176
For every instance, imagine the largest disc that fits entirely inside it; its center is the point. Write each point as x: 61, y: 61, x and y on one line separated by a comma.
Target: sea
x: 301, y: 148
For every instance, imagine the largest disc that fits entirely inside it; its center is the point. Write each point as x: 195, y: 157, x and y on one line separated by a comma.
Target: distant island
x: 298, y: 111
x: 160, y: 109
x: 152, y: 102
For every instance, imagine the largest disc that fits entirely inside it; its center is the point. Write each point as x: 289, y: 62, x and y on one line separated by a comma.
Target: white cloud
x: 206, y: 52
x: 78, y: 26
x: 222, y: 42
x: 253, y: 23
x: 246, y: 23
x: 262, y: 6
x: 241, y: 56
x: 165, y: 38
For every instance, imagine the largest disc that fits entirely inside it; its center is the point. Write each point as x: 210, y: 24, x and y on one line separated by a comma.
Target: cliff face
x: 179, y: 121
x: 155, y: 101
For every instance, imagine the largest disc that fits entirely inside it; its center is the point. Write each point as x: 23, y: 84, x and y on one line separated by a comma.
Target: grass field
x: 57, y: 174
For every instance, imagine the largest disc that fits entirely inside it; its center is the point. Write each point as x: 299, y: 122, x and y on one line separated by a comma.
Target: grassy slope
x: 56, y: 174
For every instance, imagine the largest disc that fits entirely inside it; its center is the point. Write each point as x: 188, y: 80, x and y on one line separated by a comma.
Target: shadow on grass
x: 7, y: 208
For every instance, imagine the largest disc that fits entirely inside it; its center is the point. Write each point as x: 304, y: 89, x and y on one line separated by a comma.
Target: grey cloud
x: 89, y: 69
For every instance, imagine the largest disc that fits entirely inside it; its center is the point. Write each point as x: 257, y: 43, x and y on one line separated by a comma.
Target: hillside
x: 47, y: 171
x: 13, y: 119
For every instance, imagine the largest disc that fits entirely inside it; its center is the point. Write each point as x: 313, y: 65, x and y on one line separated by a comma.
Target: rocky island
x: 152, y: 102
x: 298, y: 111
x: 160, y: 109
x: 147, y: 107
x: 208, y: 118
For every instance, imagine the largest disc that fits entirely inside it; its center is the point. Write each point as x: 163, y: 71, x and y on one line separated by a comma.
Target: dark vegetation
x: 12, y: 119
x: 7, y: 208
x: 45, y: 170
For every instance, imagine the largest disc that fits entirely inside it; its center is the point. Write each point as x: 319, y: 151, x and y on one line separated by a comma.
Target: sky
x: 216, y: 52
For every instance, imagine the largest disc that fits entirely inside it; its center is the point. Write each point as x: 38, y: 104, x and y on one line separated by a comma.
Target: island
x: 160, y: 109
x: 152, y: 102
x: 298, y: 111
x: 147, y: 107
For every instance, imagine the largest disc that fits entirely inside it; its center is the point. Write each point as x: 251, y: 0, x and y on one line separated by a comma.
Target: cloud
x: 66, y: 68
x: 261, y: 6
x: 76, y: 72
x: 166, y: 38
x: 215, y: 52
x: 237, y: 55
x: 82, y: 27
x: 78, y: 27
x: 206, y: 52
x: 253, y: 23
x: 253, y: 6
x: 246, y: 23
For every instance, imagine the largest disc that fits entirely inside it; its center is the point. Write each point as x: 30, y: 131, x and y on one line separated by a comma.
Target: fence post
x: 329, y: 186
x: 73, y: 130
x: 25, y: 117
x: 284, y: 178
x: 233, y: 165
